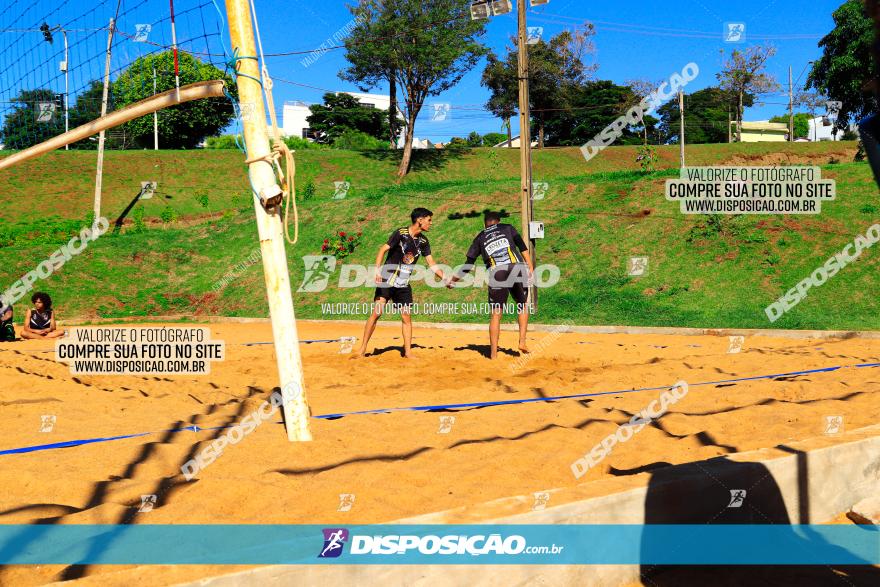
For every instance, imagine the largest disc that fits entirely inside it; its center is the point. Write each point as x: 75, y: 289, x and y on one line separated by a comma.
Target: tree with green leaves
x: 341, y: 113
x: 556, y: 70
x: 500, y: 78
x: 183, y: 126
x: 745, y: 72
x: 847, y: 64
x: 427, y: 46
x: 490, y: 139
x: 801, y: 124
x: 706, y: 115
x: 29, y: 123
x: 591, y: 106
x: 474, y: 139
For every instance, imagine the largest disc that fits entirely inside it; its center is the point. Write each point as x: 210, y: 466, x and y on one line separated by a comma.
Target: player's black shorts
x: 396, y: 295
x: 508, y: 279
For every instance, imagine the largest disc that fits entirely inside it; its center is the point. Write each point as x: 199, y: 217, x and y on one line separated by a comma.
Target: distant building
x: 761, y: 131
x: 296, y: 113
x: 820, y: 132
x: 514, y: 143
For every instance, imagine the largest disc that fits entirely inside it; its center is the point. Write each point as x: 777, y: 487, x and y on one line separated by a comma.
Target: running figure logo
x: 45, y: 111
x: 736, y: 344
x: 141, y: 32
x: 440, y: 112
x: 737, y: 496
x: 47, y: 423
x: 833, y: 424
x: 734, y: 32
x: 637, y: 266
x: 318, y: 269
x: 541, y: 500
x: 446, y: 423
x: 147, y: 503
x: 334, y: 541
x: 346, y: 501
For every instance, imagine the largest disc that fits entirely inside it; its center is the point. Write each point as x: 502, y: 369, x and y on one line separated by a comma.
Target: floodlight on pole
x: 480, y: 10
x: 500, y: 7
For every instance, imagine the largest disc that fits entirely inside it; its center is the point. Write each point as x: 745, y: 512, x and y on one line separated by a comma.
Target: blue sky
x: 637, y: 39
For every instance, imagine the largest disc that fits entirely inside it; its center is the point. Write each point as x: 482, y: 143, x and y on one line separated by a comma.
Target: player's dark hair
x: 420, y: 213
x: 43, y: 297
x: 491, y: 216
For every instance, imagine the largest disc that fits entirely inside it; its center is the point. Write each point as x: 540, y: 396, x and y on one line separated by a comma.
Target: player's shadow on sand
x: 483, y: 349
x: 388, y: 349
x: 708, y: 492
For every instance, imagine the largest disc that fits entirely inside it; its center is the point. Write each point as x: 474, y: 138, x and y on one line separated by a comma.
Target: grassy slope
x: 597, y: 215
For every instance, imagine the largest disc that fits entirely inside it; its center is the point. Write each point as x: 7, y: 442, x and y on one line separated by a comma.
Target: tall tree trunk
x: 540, y: 132
x: 392, y: 109
x: 509, y: 133
x: 739, y: 118
x: 646, y: 135
x: 408, y: 142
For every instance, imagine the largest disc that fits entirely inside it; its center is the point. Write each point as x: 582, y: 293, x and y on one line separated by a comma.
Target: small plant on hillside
x: 646, y: 158
x: 309, y: 190
x: 202, y: 199
x: 138, y: 218
x: 860, y: 153
x: 168, y: 215
x: 868, y: 209
x: 342, y: 244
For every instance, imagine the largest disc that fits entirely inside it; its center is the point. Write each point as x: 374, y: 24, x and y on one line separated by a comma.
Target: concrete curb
x: 650, y: 330
x: 808, y: 482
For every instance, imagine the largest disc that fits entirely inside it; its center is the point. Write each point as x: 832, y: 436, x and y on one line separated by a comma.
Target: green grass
x: 716, y: 272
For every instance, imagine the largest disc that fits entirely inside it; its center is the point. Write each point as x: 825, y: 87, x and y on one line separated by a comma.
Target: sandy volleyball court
x: 397, y: 464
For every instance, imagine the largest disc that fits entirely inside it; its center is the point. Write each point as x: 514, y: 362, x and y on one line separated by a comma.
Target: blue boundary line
x: 194, y: 428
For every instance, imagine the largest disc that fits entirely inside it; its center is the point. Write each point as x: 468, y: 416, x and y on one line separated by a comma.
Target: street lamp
x: 47, y: 36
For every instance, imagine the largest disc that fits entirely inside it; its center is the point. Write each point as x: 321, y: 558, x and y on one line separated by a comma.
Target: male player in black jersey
x: 404, y: 247
x: 507, y: 258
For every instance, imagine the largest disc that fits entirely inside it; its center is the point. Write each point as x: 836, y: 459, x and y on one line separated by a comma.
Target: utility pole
x: 790, y: 107
x: 267, y: 208
x: 681, y: 131
x: 99, y: 175
x: 155, y: 118
x: 525, y: 141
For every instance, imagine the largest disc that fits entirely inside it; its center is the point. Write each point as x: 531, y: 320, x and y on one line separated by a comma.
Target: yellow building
x: 761, y: 132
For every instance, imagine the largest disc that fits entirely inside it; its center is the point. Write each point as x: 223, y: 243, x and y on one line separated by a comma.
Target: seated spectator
x: 39, y: 322
x: 7, y: 330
